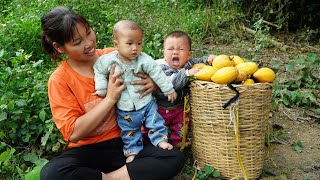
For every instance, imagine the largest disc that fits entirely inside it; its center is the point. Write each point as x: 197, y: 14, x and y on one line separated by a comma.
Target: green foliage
x: 262, y: 36
x: 301, y: 84
x: 297, y: 146
x: 286, y: 14
x: 24, y: 113
x: 207, y: 172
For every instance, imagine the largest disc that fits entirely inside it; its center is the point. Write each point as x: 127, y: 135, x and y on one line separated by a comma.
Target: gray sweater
x: 179, y: 81
x: 129, y: 99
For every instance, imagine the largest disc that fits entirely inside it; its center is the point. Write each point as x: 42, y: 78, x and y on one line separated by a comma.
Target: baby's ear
x: 115, y: 43
x: 190, y: 53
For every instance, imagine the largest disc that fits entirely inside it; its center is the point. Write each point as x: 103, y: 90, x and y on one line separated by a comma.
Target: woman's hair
x: 58, y: 25
x: 179, y: 34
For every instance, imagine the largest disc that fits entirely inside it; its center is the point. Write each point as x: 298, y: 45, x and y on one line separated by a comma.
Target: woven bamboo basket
x: 213, y: 137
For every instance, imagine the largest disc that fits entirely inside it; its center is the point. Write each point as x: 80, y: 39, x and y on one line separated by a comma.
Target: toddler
x: 132, y: 110
x: 177, y: 65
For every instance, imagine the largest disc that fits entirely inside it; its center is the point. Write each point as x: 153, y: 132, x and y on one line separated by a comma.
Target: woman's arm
x: 86, y: 123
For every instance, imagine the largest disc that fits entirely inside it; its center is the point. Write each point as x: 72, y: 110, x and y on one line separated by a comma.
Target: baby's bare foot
x: 165, y: 145
x: 130, y: 158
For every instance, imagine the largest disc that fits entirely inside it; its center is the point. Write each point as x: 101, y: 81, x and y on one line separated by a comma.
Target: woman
x: 87, y: 122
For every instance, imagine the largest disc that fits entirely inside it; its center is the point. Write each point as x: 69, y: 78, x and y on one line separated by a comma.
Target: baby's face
x: 176, y: 51
x: 129, y: 44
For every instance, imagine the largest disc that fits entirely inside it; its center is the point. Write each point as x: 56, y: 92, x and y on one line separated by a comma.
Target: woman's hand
x: 148, y: 86
x: 115, y: 85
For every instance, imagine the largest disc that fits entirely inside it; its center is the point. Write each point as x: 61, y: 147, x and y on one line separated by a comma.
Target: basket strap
x: 234, y: 98
x: 186, y: 109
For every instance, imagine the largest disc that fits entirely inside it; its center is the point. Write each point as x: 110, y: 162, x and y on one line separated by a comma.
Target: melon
x: 222, y: 61
x: 248, y: 67
x: 236, y: 59
x: 199, y: 64
x: 264, y: 75
x: 248, y: 81
x: 242, y: 76
x: 205, y: 73
x: 225, y: 75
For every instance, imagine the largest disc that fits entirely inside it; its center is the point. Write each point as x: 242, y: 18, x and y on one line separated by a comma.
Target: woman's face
x: 82, y: 48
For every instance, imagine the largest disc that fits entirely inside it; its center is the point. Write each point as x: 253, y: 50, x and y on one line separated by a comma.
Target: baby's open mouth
x: 175, y: 61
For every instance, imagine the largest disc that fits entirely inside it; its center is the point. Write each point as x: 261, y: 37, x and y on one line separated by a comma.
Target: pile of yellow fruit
x: 233, y: 69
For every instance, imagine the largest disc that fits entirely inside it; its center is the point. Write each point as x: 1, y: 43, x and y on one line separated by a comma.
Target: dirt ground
x: 282, y: 161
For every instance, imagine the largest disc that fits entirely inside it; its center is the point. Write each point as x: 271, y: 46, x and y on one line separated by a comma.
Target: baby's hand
x: 98, y: 94
x: 211, y: 58
x: 193, y: 71
x: 172, y: 97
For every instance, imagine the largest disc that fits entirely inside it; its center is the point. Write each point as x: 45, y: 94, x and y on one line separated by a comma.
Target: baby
x: 177, y: 65
x: 132, y: 110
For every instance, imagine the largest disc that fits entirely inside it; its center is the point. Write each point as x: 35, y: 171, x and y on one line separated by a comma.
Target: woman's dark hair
x: 58, y: 26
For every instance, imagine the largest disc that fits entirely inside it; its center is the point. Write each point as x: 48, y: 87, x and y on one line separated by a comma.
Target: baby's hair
x: 125, y: 25
x: 58, y: 25
x: 179, y: 34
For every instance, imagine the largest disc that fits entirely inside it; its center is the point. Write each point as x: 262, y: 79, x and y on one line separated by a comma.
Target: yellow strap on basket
x: 234, y: 109
x: 186, y: 109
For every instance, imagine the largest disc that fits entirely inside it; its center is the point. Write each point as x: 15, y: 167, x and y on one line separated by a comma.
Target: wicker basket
x: 213, y: 138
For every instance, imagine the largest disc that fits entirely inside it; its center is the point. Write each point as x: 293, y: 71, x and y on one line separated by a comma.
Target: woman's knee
x: 49, y: 171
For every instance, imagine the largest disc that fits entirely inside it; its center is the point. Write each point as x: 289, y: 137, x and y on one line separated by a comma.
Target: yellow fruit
x: 205, y: 73
x: 236, y: 59
x: 247, y: 67
x: 264, y: 75
x: 242, y: 76
x: 222, y: 61
x: 199, y: 64
x: 248, y: 81
x: 225, y: 75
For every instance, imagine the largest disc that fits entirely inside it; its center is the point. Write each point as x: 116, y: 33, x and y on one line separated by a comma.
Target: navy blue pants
x: 87, y: 162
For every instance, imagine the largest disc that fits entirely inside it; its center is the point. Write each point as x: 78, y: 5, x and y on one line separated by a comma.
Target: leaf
x: 275, y: 64
x: 36, y: 64
x: 300, y: 60
x: 21, y: 102
x: 10, y: 106
x: 297, y: 146
x: 290, y: 66
x: 31, y: 157
x: 1, y: 52
x: 41, y: 162
x: 34, y: 174
x: 311, y: 57
x: 216, y: 173
x: 317, y: 111
x: 45, y: 138
x: 3, y: 116
x: 5, y: 156
x: 283, y: 177
x: 42, y: 115
x: 208, y: 169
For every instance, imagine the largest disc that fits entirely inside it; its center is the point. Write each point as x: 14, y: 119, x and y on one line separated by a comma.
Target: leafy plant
x: 297, y: 146
x: 24, y: 114
x: 208, y: 171
x: 301, y: 84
